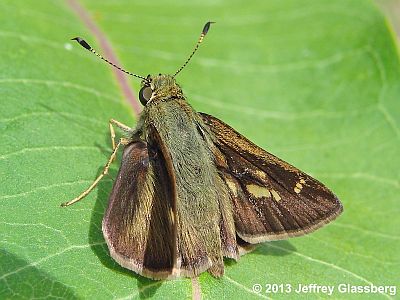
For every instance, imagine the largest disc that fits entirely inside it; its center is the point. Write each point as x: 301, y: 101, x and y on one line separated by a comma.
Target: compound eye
x: 145, y: 94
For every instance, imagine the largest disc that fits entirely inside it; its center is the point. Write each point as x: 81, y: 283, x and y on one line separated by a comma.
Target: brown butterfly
x: 192, y: 190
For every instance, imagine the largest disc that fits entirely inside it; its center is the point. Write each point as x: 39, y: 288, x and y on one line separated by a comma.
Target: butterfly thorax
x: 164, y: 87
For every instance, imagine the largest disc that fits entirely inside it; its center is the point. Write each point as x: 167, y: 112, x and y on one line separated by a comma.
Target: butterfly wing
x: 138, y: 224
x: 272, y: 200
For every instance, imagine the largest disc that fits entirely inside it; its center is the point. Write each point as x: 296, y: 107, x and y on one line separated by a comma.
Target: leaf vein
x: 48, y: 187
x: 58, y: 231
x: 333, y: 266
x: 46, y: 114
x: 44, y: 259
x: 362, y: 175
x: 48, y: 148
x: 245, y: 288
x: 65, y: 84
x: 366, y: 231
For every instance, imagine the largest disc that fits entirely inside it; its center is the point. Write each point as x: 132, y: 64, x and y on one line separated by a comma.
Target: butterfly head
x: 158, y: 88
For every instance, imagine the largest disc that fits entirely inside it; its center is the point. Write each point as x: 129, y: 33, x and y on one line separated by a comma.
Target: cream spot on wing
x: 232, y: 186
x: 276, y: 195
x: 299, y: 186
x: 258, y: 191
x: 261, y: 174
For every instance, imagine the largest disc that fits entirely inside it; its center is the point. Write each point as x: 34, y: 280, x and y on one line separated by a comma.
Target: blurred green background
x: 314, y: 82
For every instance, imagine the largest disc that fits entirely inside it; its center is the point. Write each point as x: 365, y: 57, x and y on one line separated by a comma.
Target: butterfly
x: 191, y: 190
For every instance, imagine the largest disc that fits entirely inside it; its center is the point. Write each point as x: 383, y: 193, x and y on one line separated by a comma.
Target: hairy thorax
x: 164, y: 88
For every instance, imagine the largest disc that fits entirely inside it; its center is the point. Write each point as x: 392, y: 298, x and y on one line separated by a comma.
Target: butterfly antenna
x: 85, y: 45
x: 202, y: 35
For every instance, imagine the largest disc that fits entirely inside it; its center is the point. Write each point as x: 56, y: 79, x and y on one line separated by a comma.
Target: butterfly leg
x: 121, y: 126
x: 122, y: 141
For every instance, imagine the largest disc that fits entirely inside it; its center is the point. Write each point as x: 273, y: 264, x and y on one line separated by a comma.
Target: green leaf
x: 314, y: 82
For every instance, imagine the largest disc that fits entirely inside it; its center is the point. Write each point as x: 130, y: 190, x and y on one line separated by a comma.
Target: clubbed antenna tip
x: 85, y: 45
x: 202, y: 35
x: 82, y: 42
x: 207, y: 27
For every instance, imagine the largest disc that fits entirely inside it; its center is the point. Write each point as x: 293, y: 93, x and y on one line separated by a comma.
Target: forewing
x: 138, y: 224
x: 272, y: 199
